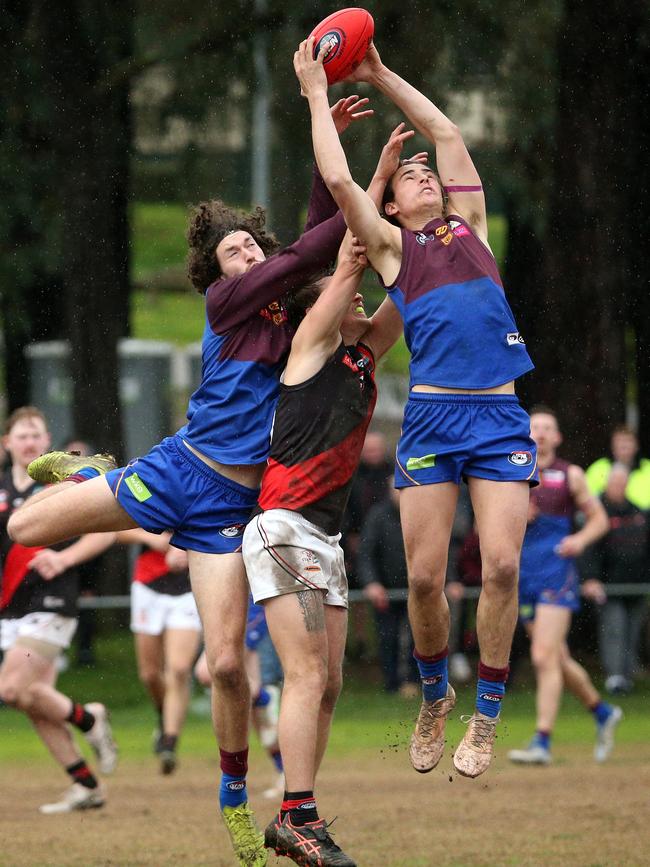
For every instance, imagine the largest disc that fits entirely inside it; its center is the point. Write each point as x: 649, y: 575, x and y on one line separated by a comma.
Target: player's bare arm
x: 383, y: 240
x: 455, y: 167
x: 318, y: 335
x: 596, y: 520
x: 49, y: 563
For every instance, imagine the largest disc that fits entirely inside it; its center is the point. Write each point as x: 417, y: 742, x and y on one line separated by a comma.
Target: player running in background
x: 38, y: 617
x: 265, y: 697
x: 203, y: 482
x: 549, y: 590
x: 462, y: 419
x: 294, y: 562
x: 167, y: 630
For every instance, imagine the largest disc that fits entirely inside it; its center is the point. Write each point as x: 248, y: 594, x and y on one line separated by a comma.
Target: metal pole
x: 260, y: 133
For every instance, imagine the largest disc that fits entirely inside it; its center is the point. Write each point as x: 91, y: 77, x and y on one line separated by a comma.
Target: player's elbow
x: 340, y: 185
x: 19, y: 529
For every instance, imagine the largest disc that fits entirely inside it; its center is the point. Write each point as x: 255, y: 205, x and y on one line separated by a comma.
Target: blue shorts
x: 170, y: 488
x: 256, y: 628
x: 447, y: 437
x: 561, y: 588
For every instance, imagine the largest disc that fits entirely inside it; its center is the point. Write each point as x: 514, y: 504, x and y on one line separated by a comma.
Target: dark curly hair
x: 210, y: 222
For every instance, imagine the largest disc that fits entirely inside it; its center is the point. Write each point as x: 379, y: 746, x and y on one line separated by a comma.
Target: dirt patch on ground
x: 574, y: 813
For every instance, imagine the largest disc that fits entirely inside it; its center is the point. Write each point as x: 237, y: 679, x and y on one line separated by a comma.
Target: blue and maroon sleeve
x: 231, y: 302
x: 321, y: 204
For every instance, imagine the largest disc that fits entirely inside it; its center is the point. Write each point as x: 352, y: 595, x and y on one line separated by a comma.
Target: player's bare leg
x: 67, y: 510
x: 149, y: 653
x: 25, y: 674
x: 221, y: 591
x: 180, y: 649
x: 336, y: 624
x: 500, y: 510
x: 548, y: 641
x: 427, y: 515
x: 296, y: 622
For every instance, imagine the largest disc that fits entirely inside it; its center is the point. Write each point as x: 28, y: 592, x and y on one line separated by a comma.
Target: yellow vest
x: 638, y: 486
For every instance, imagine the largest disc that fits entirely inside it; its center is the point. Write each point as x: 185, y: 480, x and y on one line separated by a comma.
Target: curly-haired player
x: 203, y: 482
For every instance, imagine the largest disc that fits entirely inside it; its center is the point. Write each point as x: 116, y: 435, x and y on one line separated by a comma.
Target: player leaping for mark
x: 202, y: 483
x: 462, y: 419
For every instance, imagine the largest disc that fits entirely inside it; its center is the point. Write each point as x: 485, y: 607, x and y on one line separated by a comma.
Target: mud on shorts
x: 170, y: 488
x: 285, y: 553
x: 448, y: 437
x: 45, y: 632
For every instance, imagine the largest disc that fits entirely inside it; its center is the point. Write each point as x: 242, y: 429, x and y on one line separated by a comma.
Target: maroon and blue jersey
x: 246, y: 342
x: 544, y: 575
x: 458, y: 326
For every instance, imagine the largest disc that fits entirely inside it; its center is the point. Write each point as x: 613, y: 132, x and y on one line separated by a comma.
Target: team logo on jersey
x: 520, y: 459
x: 553, y: 478
x: 458, y: 229
x: 275, y: 313
x: 442, y: 230
x: 234, y: 530
x: 421, y: 238
x: 513, y: 338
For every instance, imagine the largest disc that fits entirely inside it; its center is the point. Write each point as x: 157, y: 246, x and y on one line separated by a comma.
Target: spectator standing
x: 382, y: 567
x: 624, y: 447
x: 620, y: 557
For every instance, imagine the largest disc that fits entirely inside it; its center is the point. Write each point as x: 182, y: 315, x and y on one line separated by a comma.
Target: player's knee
x: 10, y: 694
x: 501, y: 574
x: 149, y: 677
x: 423, y: 585
x: 20, y: 530
x: 309, y: 675
x: 545, y: 656
x: 227, y: 670
x: 177, y: 675
x: 332, y: 692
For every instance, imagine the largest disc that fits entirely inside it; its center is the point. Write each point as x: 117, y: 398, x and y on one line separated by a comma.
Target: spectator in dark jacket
x: 620, y: 557
x: 382, y: 567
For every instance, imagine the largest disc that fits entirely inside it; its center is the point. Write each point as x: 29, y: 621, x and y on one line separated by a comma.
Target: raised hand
x: 309, y: 71
x: 349, y: 109
x: 369, y: 67
x: 389, y: 160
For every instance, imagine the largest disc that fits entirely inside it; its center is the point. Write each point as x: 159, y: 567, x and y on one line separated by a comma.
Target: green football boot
x: 57, y: 466
x: 247, y: 839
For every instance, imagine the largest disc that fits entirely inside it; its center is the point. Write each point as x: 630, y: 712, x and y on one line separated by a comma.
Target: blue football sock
x: 433, y: 675
x: 490, y: 689
x: 542, y: 739
x: 262, y: 699
x: 232, y: 791
x: 601, y: 712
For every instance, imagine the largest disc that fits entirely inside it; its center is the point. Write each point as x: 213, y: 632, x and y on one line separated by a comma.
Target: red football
x: 346, y: 34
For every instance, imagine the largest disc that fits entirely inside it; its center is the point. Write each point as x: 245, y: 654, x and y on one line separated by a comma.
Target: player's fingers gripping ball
x: 345, y: 36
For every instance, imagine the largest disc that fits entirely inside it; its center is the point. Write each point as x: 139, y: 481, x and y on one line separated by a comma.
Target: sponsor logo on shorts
x: 234, y: 530
x: 491, y: 696
x: 137, y: 487
x: 513, y: 338
x: 236, y: 786
x: 332, y: 43
x: 520, y: 459
x: 308, y: 805
x: 422, y: 463
x: 432, y: 681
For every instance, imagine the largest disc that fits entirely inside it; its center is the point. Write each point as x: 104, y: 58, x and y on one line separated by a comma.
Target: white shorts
x: 45, y: 626
x: 285, y: 553
x: 152, y: 613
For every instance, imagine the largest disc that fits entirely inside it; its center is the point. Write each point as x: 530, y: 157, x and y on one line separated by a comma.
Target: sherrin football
x: 346, y: 35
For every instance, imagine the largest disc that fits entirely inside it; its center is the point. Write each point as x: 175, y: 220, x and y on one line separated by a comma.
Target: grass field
x: 574, y: 812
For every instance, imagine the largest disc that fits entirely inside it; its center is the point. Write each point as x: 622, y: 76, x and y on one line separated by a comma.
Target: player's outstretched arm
x: 318, y: 335
x: 50, y: 563
x: 455, y: 167
x: 383, y: 240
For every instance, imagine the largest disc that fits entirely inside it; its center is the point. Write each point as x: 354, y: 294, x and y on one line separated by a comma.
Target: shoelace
x: 432, y: 713
x: 481, y: 731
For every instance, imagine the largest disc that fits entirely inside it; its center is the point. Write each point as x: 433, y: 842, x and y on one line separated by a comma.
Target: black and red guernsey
x: 23, y: 590
x: 318, y: 433
x: 151, y: 569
